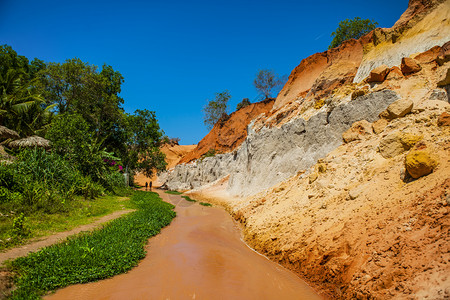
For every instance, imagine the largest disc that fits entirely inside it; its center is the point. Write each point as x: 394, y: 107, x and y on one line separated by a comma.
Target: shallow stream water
x: 200, y: 255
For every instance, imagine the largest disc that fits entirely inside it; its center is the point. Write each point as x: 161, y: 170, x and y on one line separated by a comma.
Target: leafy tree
x: 351, y: 29
x: 245, y: 102
x: 76, y: 87
x: 144, y: 138
x: 266, y: 82
x: 216, y: 108
x: 72, y: 138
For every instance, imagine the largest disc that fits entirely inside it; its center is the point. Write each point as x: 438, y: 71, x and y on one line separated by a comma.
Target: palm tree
x: 21, y: 107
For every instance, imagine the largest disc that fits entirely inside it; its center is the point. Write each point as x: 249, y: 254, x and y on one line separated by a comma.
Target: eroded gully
x: 200, y: 255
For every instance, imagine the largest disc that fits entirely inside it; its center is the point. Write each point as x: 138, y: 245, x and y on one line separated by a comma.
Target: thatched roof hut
x: 31, y: 142
x: 6, y: 133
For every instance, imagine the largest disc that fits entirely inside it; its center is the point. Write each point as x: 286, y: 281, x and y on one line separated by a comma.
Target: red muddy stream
x: 200, y: 255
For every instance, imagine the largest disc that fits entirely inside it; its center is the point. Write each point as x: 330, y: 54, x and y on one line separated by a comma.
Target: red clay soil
x: 229, y: 134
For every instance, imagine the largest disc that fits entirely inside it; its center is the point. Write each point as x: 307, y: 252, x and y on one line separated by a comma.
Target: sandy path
x: 55, y: 238
x: 199, y: 256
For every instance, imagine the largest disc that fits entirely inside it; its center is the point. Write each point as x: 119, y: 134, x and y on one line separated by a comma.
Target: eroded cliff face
x: 324, y: 182
x: 418, y: 30
x: 229, y: 134
x: 271, y: 155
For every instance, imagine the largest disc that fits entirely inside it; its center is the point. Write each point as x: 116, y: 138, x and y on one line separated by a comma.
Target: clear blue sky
x: 175, y: 55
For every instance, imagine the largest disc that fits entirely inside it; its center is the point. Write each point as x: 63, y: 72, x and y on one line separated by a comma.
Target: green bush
x: 19, y: 227
x: 244, y: 103
x: 351, y: 29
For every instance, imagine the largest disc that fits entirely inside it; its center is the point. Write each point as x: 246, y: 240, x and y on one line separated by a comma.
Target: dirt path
x: 55, y: 238
x: 199, y: 256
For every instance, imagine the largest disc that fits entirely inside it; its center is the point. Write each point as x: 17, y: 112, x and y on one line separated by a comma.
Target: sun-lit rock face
x: 346, y: 180
x: 229, y: 134
x: 425, y: 24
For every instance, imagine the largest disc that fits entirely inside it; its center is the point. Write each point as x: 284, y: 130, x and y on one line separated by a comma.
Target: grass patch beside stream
x: 173, y: 192
x: 77, y: 212
x: 100, y: 254
x: 188, y: 199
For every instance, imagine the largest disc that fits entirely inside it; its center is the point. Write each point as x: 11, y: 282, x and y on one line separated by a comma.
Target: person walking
x: 151, y: 185
x: 146, y: 185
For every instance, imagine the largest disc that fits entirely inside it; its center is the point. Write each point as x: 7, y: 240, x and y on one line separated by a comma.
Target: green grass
x: 188, y: 199
x: 103, y: 253
x: 77, y: 212
x: 205, y: 204
x: 173, y: 193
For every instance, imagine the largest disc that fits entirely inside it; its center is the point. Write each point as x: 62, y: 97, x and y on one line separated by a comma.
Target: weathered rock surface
x: 444, y: 119
x: 444, y: 79
x: 378, y: 74
x: 410, y: 65
x: 272, y: 155
x: 439, y: 94
x: 398, y: 109
x: 379, y: 125
x: 444, y: 54
x: 358, y: 131
x: 396, y: 143
x: 394, y: 73
x: 419, y: 163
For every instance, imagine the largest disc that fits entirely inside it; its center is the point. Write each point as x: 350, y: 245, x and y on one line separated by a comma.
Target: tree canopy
x: 78, y: 107
x: 216, y: 108
x: 351, y: 29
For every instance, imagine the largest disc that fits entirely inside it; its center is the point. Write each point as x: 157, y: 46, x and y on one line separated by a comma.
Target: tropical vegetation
x: 78, y: 109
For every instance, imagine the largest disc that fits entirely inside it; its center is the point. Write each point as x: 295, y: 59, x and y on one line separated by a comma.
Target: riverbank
x: 199, y: 256
x: 111, y: 250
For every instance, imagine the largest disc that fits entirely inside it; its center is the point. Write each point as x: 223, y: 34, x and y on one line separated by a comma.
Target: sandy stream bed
x: 199, y: 256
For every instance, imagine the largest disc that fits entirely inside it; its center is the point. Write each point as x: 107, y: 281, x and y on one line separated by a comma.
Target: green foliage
x: 22, y: 108
x: 210, y: 153
x: 205, y: 204
x: 19, y: 227
x: 114, y: 249
x: 144, y: 138
x: 351, y: 29
x: 244, y: 103
x: 187, y: 198
x: 72, y: 138
x: 173, y: 192
x: 216, y: 108
x: 267, y: 82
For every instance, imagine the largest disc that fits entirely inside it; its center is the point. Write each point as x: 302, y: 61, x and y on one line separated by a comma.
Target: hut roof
x: 30, y: 142
x: 6, y: 133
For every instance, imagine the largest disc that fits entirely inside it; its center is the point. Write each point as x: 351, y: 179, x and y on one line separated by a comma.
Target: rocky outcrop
x: 272, y: 155
x: 417, y: 31
x: 420, y: 162
x: 423, y: 26
x: 227, y: 136
x: 350, y: 217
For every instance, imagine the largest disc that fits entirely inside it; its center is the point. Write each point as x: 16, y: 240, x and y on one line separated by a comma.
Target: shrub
x: 244, y: 103
x: 19, y: 227
x: 351, y: 29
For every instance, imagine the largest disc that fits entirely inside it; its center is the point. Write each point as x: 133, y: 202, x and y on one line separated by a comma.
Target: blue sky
x: 175, y: 55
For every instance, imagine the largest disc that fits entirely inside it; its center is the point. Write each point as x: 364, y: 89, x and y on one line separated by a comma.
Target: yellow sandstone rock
x: 420, y: 163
